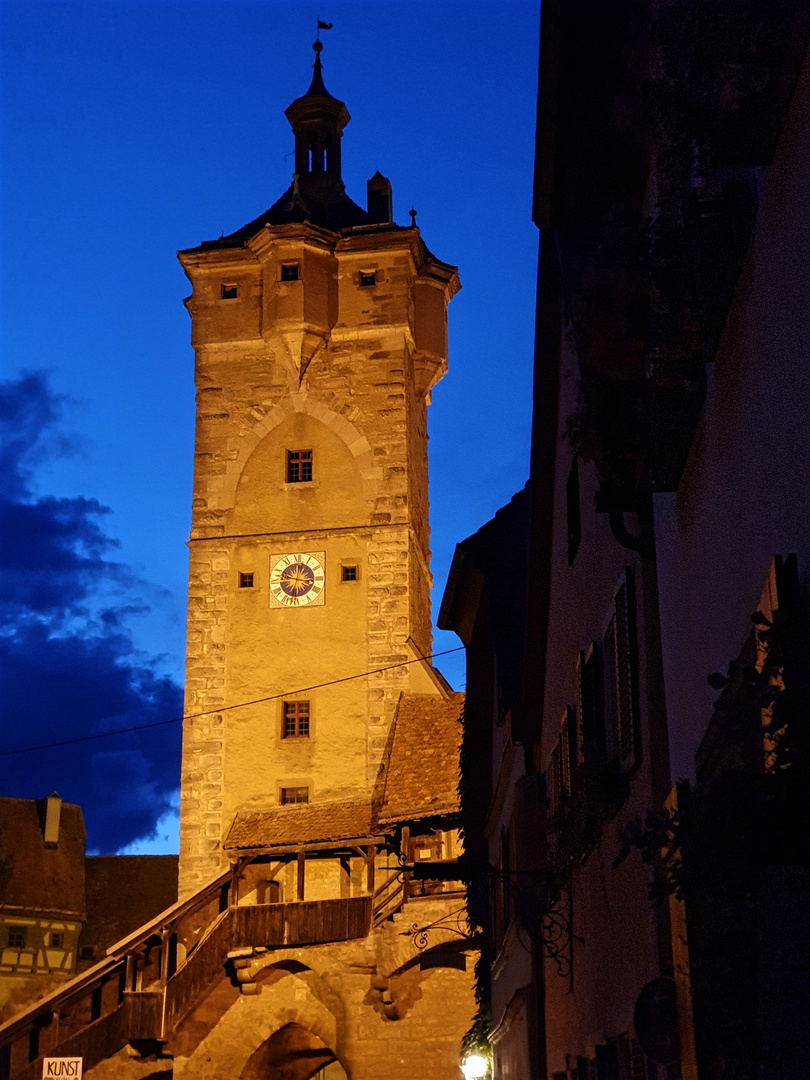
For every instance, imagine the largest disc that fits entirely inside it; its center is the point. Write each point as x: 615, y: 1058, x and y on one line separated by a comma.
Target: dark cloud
x: 68, y: 664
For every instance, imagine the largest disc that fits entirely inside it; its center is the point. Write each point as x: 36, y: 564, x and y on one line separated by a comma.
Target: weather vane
x: 322, y: 26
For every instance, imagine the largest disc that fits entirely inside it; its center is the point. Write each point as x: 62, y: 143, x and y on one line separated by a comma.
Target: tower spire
x: 316, y: 87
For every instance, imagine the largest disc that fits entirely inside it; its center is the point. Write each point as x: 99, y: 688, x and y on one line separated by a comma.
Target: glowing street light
x: 474, y: 1067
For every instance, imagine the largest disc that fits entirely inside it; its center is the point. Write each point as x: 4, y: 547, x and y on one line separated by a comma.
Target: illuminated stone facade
x: 317, y: 329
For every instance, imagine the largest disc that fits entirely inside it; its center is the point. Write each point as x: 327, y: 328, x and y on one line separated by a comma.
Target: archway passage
x: 293, y: 1053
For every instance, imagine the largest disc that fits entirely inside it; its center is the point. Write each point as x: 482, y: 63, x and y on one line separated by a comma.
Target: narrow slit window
x: 292, y: 795
x: 296, y: 720
x: 299, y: 466
x: 348, y: 573
x: 289, y: 271
x: 245, y: 581
x: 368, y: 278
x: 230, y: 292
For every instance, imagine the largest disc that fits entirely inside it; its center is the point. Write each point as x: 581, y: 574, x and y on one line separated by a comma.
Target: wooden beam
x: 301, y: 865
x: 347, y: 844
x: 164, y: 957
x: 371, y: 866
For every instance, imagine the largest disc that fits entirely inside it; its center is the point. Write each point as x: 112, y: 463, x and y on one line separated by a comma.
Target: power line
x: 224, y: 708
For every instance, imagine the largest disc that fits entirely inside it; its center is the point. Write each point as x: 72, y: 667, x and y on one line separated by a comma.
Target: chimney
x: 379, y: 199
x: 53, y: 814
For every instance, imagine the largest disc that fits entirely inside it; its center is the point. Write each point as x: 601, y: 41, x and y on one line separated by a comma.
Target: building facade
x: 635, y: 754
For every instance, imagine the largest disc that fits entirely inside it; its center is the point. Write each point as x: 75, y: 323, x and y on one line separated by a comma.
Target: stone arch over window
x: 333, y: 493
x: 264, y: 423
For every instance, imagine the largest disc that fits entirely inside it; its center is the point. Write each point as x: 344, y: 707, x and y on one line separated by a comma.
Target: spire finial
x: 412, y: 214
x: 317, y: 88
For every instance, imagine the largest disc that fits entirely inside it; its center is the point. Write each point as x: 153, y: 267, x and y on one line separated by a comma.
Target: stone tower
x: 321, y: 928
x: 319, y: 330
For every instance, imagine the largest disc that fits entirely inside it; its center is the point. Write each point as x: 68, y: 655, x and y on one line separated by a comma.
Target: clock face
x: 297, y: 579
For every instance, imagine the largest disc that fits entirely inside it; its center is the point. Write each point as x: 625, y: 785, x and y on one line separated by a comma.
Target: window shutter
x: 591, y: 711
x: 610, y: 649
x: 625, y: 666
x: 565, y: 755
x: 555, y: 791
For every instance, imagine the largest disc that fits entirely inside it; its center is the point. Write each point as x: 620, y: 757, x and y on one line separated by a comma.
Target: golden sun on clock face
x: 297, y: 579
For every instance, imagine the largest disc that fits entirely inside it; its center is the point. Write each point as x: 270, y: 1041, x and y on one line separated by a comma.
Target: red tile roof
x: 422, y: 775
x: 36, y: 878
x: 308, y: 823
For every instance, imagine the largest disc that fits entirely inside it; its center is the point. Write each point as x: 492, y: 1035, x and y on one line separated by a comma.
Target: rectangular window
x: 57, y: 940
x: 348, y: 573
x: 289, y: 271
x: 291, y: 795
x: 245, y: 581
x: 17, y: 937
x: 296, y: 720
x: 229, y: 292
x: 299, y: 466
x: 368, y: 278
x: 607, y: 735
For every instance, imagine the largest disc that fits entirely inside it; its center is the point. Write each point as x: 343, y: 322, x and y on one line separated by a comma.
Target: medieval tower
x: 319, y: 330
x: 321, y: 927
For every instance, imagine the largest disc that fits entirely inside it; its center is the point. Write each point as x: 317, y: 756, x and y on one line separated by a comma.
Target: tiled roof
x: 34, y: 877
x: 422, y: 776
x: 123, y: 892
x: 421, y: 781
x: 308, y: 823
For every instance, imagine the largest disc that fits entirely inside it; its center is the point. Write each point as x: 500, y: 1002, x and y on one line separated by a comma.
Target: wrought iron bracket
x: 455, y: 922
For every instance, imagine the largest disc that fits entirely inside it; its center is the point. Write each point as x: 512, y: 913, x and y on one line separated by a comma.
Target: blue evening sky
x: 133, y: 129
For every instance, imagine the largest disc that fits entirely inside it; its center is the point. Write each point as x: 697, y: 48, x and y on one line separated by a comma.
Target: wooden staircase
x: 139, y: 995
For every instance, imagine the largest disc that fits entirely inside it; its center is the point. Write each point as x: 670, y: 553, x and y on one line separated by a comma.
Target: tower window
x: 368, y: 278
x: 245, y: 581
x: 348, y: 573
x: 17, y: 937
x: 296, y: 720
x: 57, y: 940
x: 290, y: 795
x: 230, y: 292
x: 289, y: 271
x: 299, y: 466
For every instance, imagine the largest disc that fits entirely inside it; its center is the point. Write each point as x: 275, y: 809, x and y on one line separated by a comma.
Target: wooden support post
x: 164, y: 955
x: 301, y: 864
x: 129, y: 979
x: 371, y: 865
